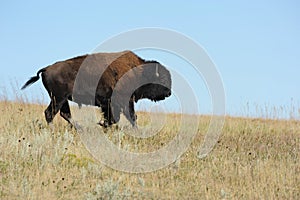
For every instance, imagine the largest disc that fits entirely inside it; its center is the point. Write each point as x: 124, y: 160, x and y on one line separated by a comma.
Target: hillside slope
x: 254, y: 159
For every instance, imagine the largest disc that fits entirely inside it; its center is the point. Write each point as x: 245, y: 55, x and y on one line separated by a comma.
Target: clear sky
x: 255, y: 44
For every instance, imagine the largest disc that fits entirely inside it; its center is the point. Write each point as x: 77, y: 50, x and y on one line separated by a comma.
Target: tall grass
x: 253, y: 159
x: 267, y: 111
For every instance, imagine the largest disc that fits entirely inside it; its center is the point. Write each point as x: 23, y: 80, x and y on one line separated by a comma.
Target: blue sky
x: 255, y: 45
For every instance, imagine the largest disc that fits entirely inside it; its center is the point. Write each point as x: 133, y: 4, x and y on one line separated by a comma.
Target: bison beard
x: 124, y: 78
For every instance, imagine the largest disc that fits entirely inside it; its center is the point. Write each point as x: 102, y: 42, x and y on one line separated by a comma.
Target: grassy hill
x: 253, y: 159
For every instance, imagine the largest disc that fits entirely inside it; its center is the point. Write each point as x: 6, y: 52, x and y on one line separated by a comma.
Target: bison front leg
x: 106, y: 114
x: 111, y: 115
x: 130, y: 113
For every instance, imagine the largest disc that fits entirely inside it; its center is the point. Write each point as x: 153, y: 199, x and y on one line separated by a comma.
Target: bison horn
x: 156, y: 73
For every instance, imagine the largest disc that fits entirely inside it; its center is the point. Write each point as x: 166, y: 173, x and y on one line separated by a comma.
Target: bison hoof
x: 77, y: 126
x: 135, y: 127
x: 103, y: 123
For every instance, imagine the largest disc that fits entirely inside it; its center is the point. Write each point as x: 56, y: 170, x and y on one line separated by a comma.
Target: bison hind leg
x: 52, y: 110
x: 65, y: 111
x: 49, y: 114
x: 54, y: 107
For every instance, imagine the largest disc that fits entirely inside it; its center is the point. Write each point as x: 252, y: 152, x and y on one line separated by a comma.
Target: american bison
x: 123, y: 76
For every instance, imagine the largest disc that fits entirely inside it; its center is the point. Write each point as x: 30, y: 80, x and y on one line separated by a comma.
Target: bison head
x: 157, y: 81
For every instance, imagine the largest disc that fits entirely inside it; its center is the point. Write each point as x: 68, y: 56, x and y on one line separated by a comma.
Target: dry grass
x: 254, y: 159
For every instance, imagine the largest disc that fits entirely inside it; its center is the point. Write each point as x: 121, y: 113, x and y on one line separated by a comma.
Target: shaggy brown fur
x: 122, y: 75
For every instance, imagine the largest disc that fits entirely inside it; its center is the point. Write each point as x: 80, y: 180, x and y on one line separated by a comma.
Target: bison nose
x: 169, y: 93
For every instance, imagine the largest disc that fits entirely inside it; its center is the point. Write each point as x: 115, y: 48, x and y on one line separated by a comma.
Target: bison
x: 121, y: 78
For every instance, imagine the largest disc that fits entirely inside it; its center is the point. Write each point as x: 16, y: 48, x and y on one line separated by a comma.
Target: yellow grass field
x: 253, y: 159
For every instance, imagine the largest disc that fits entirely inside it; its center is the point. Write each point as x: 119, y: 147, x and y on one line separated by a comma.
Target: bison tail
x: 33, y: 79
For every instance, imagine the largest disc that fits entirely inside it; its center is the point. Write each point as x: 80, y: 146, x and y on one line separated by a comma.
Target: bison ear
x: 156, y: 70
